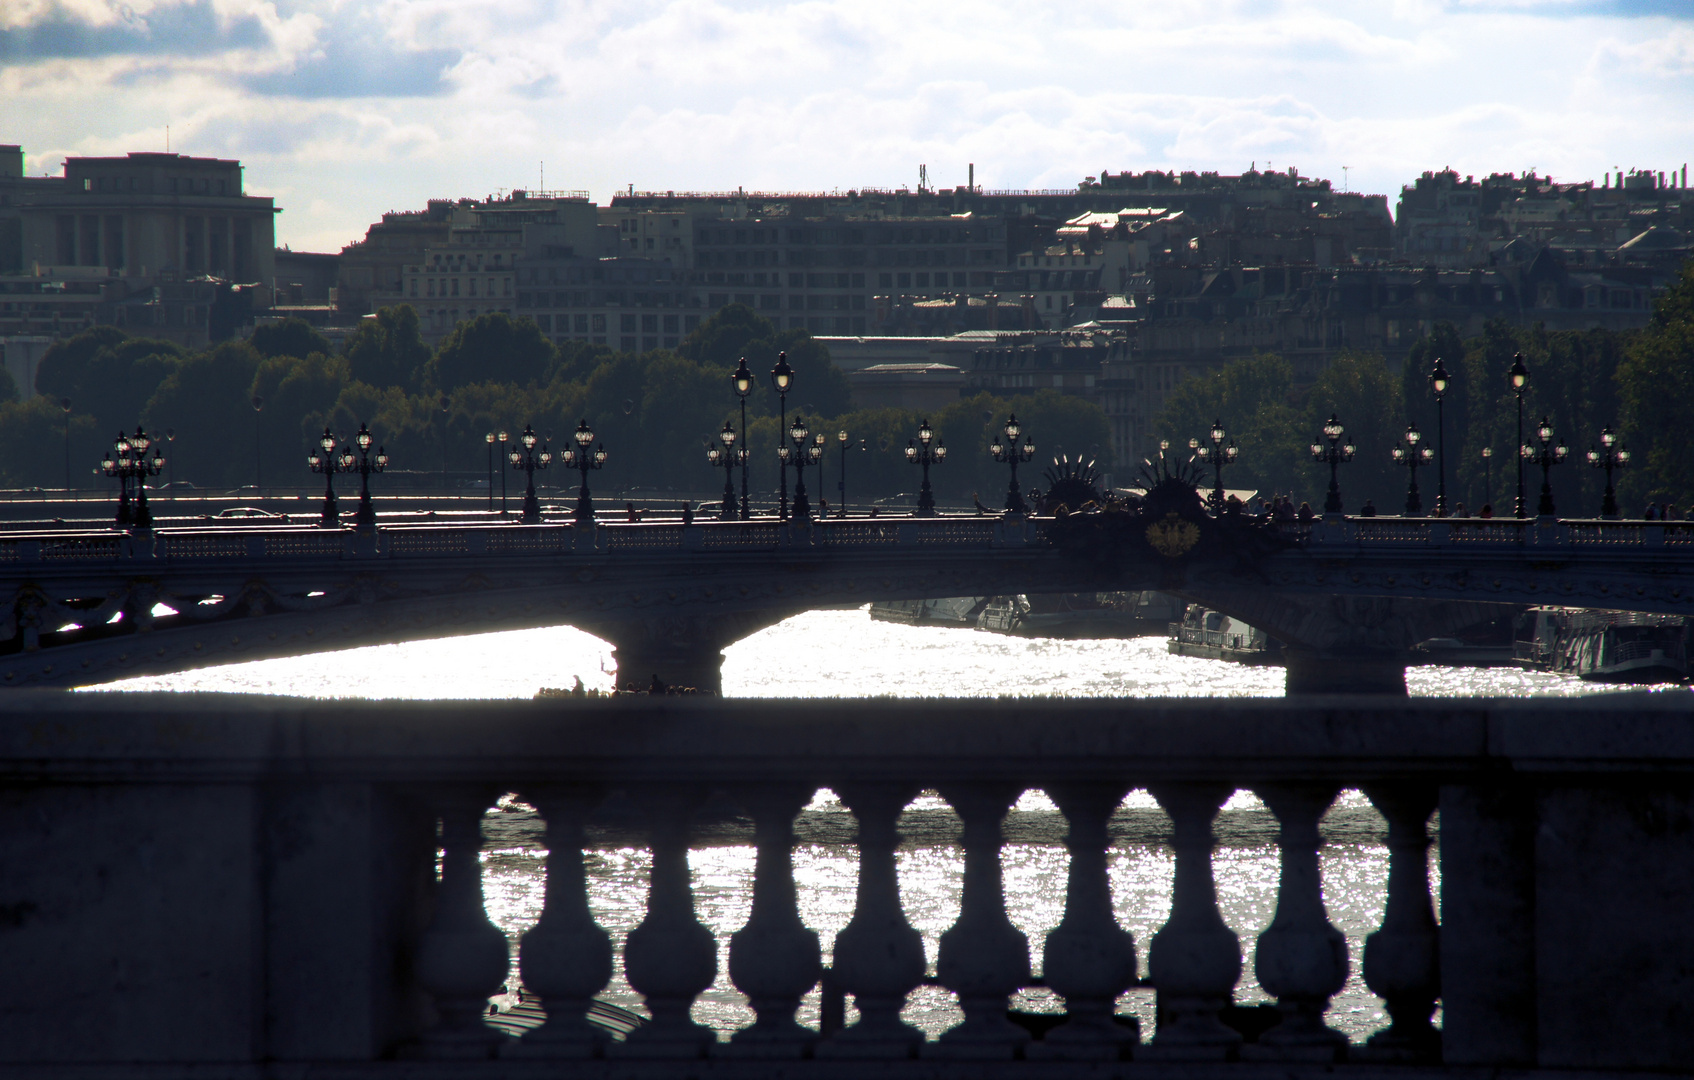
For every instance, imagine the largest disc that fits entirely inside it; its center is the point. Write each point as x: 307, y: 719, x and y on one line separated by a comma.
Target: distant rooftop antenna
x: 543, y: 185
x: 923, y: 178
x: 1344, y: 169
x: 167, y: 138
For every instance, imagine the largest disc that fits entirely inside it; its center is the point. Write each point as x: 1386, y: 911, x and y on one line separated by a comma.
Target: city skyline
x: 342, y: 112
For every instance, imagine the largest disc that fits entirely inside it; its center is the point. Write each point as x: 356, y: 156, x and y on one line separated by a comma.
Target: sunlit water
x: 847, y: 654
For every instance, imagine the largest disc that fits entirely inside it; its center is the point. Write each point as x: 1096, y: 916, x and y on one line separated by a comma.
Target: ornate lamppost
x: 1488, y: 476
x: 329, y: 463
x: 1332, y: 455
x: 1547, y: 456
x: 132, y: 463
x: 170, y: 480
x: 782, y: 377
x: 1218, y: 454
x: 920, y: 452
x: 728, y: 456
x: 1612, y: 455
x: 841, y: 488
x: 583, y: 457
x: 525, y: 456
x: 802, y: 452
x: 1010, y: 453
x: 1519, y: 377
x: 1411, y: 453
x: 1438, y: 382
x: 489, y: 439
x: 365, y: 519
x: 65, y: 406
x: 743, y: 380
x: 258, y: 469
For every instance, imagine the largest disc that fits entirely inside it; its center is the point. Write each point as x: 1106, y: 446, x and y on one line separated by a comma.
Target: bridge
x: 1348, y: 595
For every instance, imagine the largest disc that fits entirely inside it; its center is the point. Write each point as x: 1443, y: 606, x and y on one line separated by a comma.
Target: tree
x: 1656, y: 386
x: 387, y: 349
x: 1252, y: 397
x: 491, y: 348
x: 208, y: 401
x: 64, y: 365
x: 1358, y: 388
x: 737, y: 331
x: 292, y: 336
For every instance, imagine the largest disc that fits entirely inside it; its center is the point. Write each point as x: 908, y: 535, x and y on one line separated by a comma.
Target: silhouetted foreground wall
x: 233, y: 886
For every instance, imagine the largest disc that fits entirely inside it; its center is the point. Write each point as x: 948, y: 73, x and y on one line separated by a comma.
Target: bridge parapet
x: 284, y: 855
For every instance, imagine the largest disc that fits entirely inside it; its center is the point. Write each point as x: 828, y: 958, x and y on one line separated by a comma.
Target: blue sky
x: 343, y: 109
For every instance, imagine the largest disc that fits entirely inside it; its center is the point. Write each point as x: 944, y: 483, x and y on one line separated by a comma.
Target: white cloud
x: 345, y: 109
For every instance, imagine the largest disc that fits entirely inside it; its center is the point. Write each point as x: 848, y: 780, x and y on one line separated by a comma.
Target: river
x: 847, y: 654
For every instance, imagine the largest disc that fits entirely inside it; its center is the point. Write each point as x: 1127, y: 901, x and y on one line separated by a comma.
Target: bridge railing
x: 320, y: 867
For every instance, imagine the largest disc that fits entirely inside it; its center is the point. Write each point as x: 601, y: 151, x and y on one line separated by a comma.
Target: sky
x: 344, y: 109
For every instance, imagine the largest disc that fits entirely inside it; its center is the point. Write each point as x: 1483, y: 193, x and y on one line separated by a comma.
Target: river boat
x: 1080, y: 615
x: 1212, y: 635
x: 941, y: 611
x: 1604, y: 646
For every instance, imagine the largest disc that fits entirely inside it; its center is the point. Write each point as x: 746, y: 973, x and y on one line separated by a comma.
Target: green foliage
x: 1359, y: 389
x: 736, y: 331
x: 64, y: 366
x: 1253, y: 397
x: 207, y: 400
x: 8, y: 386
x: 1655, y: 383
x: 491, y: 348
x: 292, y: 336
x: 388, y: 348
x: 33, y: 446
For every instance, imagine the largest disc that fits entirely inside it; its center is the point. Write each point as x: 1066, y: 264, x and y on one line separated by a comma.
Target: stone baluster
x: 878, y: 955
x: 462, y: 958
x: 984, y: 958
x: 1195, y: 958
x: 1301, y: 957
x: 1088, y: 958
x: 670, y: 958
x: 1403, y: 958
x: 566, y: 958
x: 775, y: 959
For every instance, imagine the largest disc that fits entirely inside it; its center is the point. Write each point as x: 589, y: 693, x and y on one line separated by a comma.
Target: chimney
x: 971, y: 186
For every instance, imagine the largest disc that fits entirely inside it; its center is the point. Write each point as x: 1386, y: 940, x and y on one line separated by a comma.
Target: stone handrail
x: 228, y: 881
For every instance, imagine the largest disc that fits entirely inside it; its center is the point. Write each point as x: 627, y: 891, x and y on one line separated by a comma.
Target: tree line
x: 245, y: 412
x: 1639, y: 383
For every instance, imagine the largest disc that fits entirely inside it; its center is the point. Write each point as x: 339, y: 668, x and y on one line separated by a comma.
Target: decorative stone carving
x: 1403, y: 958
x: 462, y: 958
x: 774, y: 959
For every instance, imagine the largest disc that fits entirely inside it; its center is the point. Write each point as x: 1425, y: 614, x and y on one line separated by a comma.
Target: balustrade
x: 403, y: 962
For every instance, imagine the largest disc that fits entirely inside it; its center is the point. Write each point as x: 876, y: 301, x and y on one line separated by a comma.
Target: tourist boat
x: 1212, y: 635
x: 1080, y: 615
x: 943, y: 611
x: 1604, y: 646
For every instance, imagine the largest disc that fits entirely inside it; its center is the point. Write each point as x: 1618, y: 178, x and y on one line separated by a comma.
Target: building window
x: 905, y: 280
x: 582, y: 323
x: 414, y: 286
x: 649, y: 325
x: 626, y: 324
x: 670, y: 325
x: 923, y: 281
x: 600, y: 325
x: 455, y: 286
x: 627, y: 344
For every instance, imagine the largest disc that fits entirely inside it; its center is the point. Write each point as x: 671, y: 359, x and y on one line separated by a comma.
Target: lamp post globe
x: 1611, y: 456
x: 1010, y: 454
x: 526, y: 458
x: 128, y: 461
x: 583, y: 457
x: 365, y: 519
x: 1518, y: 377
x: 782, y: 377
x: 325, y: 460
x: 920, y: 452
x: 728, y: 455
x: 1438, y: 383
x: 1546, y: 455
x: 1328, y: 449
x: 1214, y: 450
x: 1411, y: 453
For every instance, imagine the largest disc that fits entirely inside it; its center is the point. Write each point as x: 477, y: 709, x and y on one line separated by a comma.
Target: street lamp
x: 1612, y: 455
x: 328, y: 463
x: 65, y: 404
x: 802, y: 453
x: 921, y: 453
x: 1488, y: 476
x: 1219, y: 454
x: 258, y: 471
x: 1412, y: 454
x: 525, y: 456
x: 581, y: 458
x: 1438, y: 382
x: 1519, y: 376
x: 782, y: 377
x: 1332, y: 455
x: 1546, y: 457
x: 132, y: 463
x: 365, y: 519
x: 170, y: 437
x: 1010, y: 453
x: 743, y: 385
x: 728, y: 456
x: 489, y: 439
x: 841, y: 488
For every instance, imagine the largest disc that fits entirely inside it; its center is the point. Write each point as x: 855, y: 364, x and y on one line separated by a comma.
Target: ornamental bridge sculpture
x: 1348, y: 595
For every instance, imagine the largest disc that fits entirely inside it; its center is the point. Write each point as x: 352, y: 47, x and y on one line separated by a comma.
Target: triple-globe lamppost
x: 1413, y: 454
x: 1333, y: 455
x: 132, y: 463
x: 525, y: 457
x: 727, y: 456
x: 325, y: 460
x: 782, y: 377
x: 582, y: 457
x: 1611, y: 456
x: 803, y: 451
x: 743, y: 381
x: 1010, y: 453
x: 1216, y: 452
x: 920, y: 452
x: 1438, y: 383
x: 1546, y: 456
x: 1518, y: 377
x: 365, y: 519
